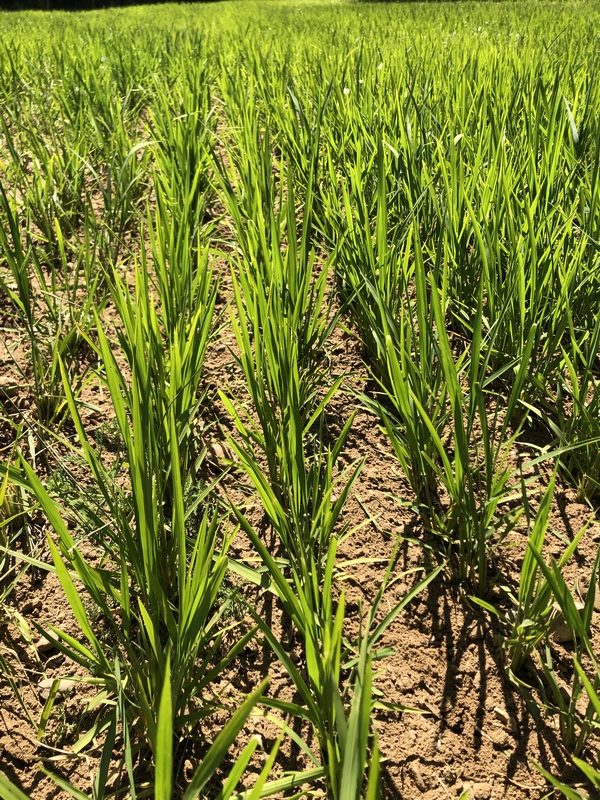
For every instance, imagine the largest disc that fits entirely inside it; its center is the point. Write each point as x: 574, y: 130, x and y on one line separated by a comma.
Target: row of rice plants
x: 160, y: 544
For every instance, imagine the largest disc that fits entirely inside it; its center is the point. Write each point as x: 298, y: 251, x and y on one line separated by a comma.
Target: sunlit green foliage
x: 427, y: 175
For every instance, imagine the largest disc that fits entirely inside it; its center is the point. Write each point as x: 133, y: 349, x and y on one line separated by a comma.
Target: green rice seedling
x: 527, y: 623
x: 251, y: 190
x: 513, y: 253
x: 576, y: 725
x: 166, y: 781
x: 283, y: 378
x: 121, y: 188
x: 446, y: 169
x: 160, y: 579
x: 205, y: 773
x: 183, y: 278
x: 290, y: 113
x: 14, y: 524
x: 474, y: 473
x: 544, y: 606
x: 296, y: 489
x: 75, y: 149
x: 20, y: 291
x: 15, y: 84
x: 386, y: 293
x: 186, y: 295
x: 334, y: 688
x: 107, y: 106
x: 426, y: 389
x: 161, y: 572
x: 182, y: 127
x: 155, y: 415
x: 49, y: 173
x: 589, y: 764
x: 575, y: 422
x: 570, y: 792
x: 56, y: 316
x: 281, y: 328
x: 297, y: 130
x: 530, y: 621
x: 372, y: 253
x: 68, y: 298
x: 467, y: 477
x: 258, y: 170
x: 413, y: 413
x: 342, y: 721
x: 9, y: 790
x: 575, y: 704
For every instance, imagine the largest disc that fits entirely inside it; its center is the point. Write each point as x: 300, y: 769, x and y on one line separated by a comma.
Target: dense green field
x: 258, y: 260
